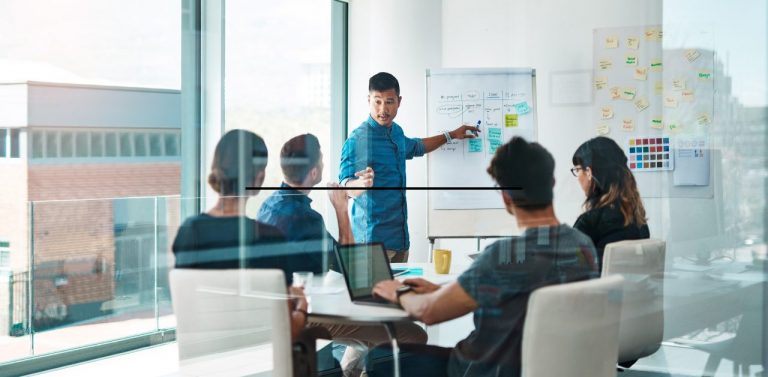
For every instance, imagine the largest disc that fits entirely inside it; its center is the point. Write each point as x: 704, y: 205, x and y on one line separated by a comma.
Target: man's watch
x: 403, y: 290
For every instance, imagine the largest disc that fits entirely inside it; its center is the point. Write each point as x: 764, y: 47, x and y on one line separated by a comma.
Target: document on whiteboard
x: 692, y: 161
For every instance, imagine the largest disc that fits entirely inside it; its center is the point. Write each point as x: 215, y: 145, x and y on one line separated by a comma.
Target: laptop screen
x: 364, y: 265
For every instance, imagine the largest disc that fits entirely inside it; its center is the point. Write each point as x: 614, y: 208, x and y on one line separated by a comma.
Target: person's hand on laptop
x: 421, y: 286
x: 387, y: 290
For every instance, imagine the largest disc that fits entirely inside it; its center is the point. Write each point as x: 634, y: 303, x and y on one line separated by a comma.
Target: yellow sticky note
x: 601, y: 83
x: 615, y: 92
x: 606, y: 112
x: 660, y: 34
x: 704, y: 75
x: 651, y: 34
x: 656, y: 65
x: 658, y: 87
x: 631, y: 141
x: 641, y: 104
x: 605, y: 64
x: 641, y: 73
x: 687, y: 95
x: 628, y: 93
x: 678, y: 84
x: 656, y: 122
x: 692, y: 54
x: 628, y: 124
x: 510, y: 120
x: 670, y: 102
x: 631, y: 59
x: 633, y: 43
x: 611, y: 42
x: 603, y: 129
x: 703, y: 119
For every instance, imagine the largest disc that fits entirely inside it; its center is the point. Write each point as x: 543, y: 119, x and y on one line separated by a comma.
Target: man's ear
x: 369, y: 99
x: 508, y: 202
x: 399, y: 100
x: 258, y: 180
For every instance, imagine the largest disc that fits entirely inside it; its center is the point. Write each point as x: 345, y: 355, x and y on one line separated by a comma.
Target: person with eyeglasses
x: 613, y: 210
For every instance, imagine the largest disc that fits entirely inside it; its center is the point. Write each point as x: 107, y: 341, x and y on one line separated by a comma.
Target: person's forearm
x: 345, y: 227
x: 433, y: 142
x: 351, y: 185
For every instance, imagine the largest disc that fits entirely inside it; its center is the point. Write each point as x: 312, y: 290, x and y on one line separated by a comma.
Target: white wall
x: 406, y: 37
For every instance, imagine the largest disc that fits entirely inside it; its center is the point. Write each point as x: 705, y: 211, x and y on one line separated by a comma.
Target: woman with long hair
x: 613, y: 210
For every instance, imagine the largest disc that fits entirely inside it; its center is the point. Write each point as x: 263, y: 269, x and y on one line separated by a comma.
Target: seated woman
x: 613, y: 210
x: 223, y: 237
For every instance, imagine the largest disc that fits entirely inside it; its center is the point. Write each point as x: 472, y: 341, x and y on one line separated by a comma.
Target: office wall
x: 406, y: 37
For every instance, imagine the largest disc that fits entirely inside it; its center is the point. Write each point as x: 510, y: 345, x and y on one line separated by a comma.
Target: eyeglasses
x: 575, y: 170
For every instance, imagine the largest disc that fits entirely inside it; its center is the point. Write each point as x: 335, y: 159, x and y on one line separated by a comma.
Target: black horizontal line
x: 413, y: 188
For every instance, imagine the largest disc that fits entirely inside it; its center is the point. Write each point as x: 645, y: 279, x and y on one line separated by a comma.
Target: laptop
x: 364, y: 265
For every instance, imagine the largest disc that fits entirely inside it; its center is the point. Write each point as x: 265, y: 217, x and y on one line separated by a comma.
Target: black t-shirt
x: 605, y: 225
x: 209, y: 242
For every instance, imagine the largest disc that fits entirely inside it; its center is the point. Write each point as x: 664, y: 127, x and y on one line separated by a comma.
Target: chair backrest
x: 572, y: 329
x: 226, y: 310
x: 641, y: 263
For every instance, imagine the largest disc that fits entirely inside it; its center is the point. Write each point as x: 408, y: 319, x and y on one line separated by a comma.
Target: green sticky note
x: 510, y: 120
x: 475, y: 145
x: 494, y: 134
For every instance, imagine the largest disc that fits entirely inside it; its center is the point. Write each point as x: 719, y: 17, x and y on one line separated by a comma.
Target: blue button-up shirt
x: 380, y: 215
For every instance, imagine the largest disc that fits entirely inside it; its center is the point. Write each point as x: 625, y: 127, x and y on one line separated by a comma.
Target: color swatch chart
x: 650, y: 154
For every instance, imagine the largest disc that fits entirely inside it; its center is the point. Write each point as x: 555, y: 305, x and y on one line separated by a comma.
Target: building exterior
x: 90, y: 172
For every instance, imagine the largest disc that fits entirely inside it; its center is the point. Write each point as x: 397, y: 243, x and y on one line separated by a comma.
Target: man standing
x: 379, y: 145
x: 498, y: 284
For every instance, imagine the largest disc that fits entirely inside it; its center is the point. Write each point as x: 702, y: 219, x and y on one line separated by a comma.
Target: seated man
x: 289, y: 211
x: 497, y: 285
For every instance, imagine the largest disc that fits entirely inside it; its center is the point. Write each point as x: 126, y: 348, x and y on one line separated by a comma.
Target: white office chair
x: 641, y: 263
x: 573, y: 329
x: 220, y: 312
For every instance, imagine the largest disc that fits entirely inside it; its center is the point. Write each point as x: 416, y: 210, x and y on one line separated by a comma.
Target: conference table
x: 329, y: 302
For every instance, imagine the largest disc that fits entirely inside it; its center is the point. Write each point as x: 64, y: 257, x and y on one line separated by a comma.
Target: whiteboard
x: 503, y: 101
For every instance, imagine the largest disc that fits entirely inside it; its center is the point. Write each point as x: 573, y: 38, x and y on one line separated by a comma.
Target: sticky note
x: 494, y: 133
x: 678, y: 84
x: 628, y: 93
x: 633, y: 43
x: 703, y: 119
x: 493, y: 144
x: 656, y: 65
x: 603, y: 129
x: 656, y: 122
x: 611, y: 42
x: 522, y: 108
x: 659, y: 34
x: 475, y: 145
x: 606, y: 112
x: 641, y: 104
x: 604, y: 64
x: 615, y: 92
x: 658, y: 87
x: 510, y: 120
x: 670, y: 102
x: 651, y: 34
x: 673, y: 126
x: 641, y: 73
x: 687, y: 95
x: 628, y: 124
x: 704, y: 75
x: 601, y: 83
x: 631, y: 59
x: 692, y: 54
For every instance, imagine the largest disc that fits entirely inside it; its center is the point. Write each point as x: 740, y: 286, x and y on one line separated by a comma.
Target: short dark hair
x: 527, y: 171
x: 383, y: 81
x: 238, y: 158
x: 298, y: 156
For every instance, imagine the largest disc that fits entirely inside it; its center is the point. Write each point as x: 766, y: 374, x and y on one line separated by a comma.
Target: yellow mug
x: 442, y: 260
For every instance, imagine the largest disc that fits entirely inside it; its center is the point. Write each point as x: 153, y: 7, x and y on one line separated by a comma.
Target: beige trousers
x: 397, y: 256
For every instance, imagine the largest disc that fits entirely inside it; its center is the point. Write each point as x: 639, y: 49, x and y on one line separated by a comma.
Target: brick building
x: 89, y: 175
